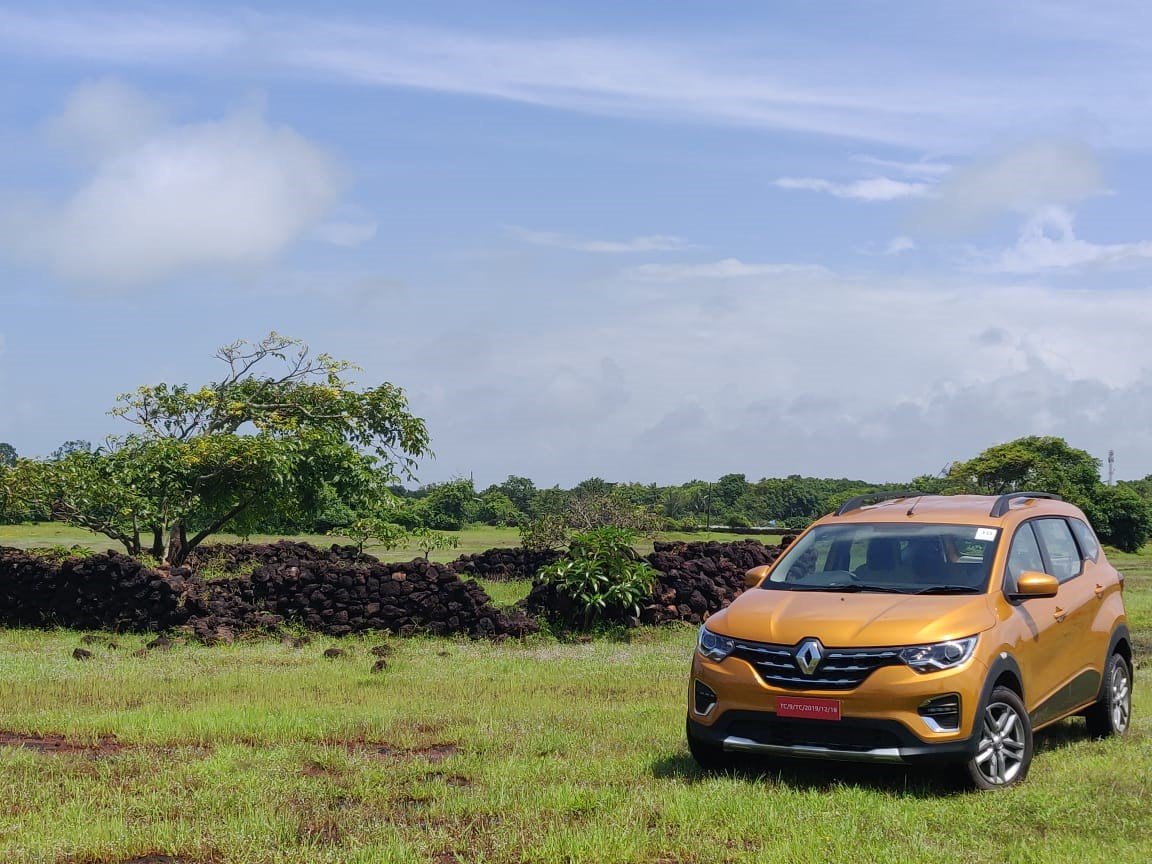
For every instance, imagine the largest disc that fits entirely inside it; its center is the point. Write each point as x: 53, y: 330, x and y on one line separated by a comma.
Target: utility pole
x: 1111, y: 466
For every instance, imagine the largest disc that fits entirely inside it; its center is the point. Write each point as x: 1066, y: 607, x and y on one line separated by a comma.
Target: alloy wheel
x: 1121, y: 697
x: 1002, y: 744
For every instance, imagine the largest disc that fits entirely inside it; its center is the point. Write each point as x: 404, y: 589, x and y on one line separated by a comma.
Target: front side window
x: 1063, y: 553
x: 1023, y: 554
x: 888, y: 557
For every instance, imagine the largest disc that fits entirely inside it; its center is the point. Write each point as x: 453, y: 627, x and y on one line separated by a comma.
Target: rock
x: 333, y: 653
x: 380, y: 665
x: 82, y: 654
x: 382, y: 650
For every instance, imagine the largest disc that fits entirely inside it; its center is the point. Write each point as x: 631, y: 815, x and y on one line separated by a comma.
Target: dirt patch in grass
x: 433, y: 753
x: 59, y: 744
x: 457, y: 780
x: 316, y: 769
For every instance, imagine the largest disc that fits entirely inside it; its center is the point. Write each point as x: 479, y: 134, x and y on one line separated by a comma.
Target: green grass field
x: 470, y: 751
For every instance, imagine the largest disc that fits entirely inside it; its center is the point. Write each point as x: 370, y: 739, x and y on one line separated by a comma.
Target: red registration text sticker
x: 808, y: 709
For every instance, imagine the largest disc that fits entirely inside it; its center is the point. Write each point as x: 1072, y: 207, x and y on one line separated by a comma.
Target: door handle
x: 1059, y: 614
x: 1099, y: 590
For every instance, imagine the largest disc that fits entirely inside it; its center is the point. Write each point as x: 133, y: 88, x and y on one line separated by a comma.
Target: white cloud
x: 648, y: 243
x: 163, y: 201
x: 727, y: 268
x: 103, y: 117
x: 871, y: 189
x: 1048, y: 242
x: 1025, y: 179
x: 881, y: 378
x: 899, y: 245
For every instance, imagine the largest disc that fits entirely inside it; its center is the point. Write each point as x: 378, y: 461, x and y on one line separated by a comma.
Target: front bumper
x: 849, y: 740
x: 880, y: 721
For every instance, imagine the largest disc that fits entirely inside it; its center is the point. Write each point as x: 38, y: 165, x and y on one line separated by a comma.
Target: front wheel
x: 1005, y: 750
x: 1113, y: 712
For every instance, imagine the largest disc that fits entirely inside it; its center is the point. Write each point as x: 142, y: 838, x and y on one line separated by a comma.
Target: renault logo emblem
x: 809, y: 655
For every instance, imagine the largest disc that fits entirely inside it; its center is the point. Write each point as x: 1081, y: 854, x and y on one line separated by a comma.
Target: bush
x: 603, y: 576
x: 544, y: 533
x: 59, y: 553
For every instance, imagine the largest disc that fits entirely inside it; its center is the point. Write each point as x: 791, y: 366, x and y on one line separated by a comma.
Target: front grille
x: 848, y: 736
x: 838, y: 669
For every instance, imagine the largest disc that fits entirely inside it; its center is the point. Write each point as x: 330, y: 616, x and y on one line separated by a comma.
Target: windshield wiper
x: 948, y: 589
x: 847, y: 587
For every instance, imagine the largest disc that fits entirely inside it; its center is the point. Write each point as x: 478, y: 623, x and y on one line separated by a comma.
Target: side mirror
x: 756, y: 575
x: 1033, y: 584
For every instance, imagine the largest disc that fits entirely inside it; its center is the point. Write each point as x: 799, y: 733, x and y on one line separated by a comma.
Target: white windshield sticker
x: 985, y: 533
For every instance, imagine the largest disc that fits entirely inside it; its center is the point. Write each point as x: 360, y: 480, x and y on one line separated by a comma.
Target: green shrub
x: 59, y: 554
x: 544, y: 533
x: 603, y: 575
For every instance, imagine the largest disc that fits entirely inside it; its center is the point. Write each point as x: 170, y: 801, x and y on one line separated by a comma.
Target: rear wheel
x: 710, y: 757
x: 1113, y: 712
x: 1005, y: 749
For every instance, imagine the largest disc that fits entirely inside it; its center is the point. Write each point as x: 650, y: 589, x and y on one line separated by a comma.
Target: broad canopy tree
x: 1049, y: 464
x: 277, y: 433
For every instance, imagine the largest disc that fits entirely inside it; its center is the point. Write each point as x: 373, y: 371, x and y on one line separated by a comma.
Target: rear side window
x: 1063, y: 553
x: 1089, y: 545
x: 1024, y: 554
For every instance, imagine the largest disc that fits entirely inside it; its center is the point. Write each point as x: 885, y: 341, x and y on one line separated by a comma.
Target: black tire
x: 1004, y: 752
x: 712, y: 758
x: 1112, y: 713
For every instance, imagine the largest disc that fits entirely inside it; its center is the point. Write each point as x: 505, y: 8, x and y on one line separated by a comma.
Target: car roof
x: 956, y: 509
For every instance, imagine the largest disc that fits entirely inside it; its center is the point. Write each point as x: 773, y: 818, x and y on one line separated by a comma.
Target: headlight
x: 712, y: 646
x: 941, y: 655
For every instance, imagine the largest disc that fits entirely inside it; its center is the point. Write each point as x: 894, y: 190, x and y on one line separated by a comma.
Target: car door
x: 1031, y: 628
x: 1076, y: 665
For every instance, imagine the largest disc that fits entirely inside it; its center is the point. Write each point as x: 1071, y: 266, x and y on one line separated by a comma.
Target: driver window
x: 1024, y: 554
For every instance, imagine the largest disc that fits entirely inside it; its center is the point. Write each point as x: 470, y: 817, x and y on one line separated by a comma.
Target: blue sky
x: 642, y: 241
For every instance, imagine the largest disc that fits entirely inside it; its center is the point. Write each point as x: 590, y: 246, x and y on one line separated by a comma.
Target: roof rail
x: 875, y: 498
x: 1004, y: 502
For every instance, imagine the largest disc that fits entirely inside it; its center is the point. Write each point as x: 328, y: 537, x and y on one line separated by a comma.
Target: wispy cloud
x: 924, y: 168
x: 647, y: 243
x: 1048, y: 243
x: 690, y: 80
x: 347, y: 234
x: 871, y: 189
x: 726, y: 268
x: 899, y: 245
x: 1025, y: 179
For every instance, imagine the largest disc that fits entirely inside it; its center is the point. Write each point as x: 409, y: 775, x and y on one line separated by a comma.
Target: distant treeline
x: 1122, y: 513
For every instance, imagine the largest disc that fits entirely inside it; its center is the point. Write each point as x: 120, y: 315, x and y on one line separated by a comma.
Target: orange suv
x: 910, y: 627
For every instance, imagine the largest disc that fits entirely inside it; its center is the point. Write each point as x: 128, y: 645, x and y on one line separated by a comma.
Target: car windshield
x: 889, y: 558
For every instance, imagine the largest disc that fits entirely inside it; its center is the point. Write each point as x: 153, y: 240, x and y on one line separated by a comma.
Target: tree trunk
x: 157, y: 542
x: 185, y: 545
x: 176, y: 554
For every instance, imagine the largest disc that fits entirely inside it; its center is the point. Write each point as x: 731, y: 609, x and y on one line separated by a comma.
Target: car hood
x: 852, y: 620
